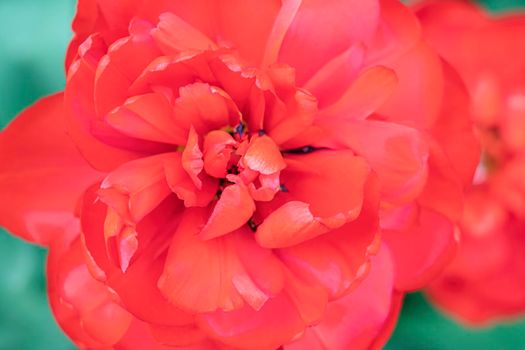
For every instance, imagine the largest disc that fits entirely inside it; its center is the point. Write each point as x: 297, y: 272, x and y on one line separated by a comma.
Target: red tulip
x: 486, y: 281
x: 249, y: 174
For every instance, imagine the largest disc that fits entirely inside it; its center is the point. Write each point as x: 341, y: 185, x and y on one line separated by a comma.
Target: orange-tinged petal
x: 42, y: 174
x: 289, y: 225
x: 332, y: 182
x: 264, y: 156
x: 233, y: 209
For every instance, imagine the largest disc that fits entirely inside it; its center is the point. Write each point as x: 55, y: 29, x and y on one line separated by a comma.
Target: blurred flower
x: 487, y: 278
x: 249, y: 174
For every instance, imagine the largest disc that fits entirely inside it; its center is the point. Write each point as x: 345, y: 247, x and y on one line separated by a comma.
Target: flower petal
x: 174, y: 35
x: 205, y: 276
x: 264, y: 156
x: 397, y: 153
x: 368, y: 93
x: 276, y: 323
x: 310, y: 43
x: 354, y: 321
x: 421, y: 251
x: 42, y: 174
x: 339, y: 259
x: 83, y: 306
x: 233, y: 209
x: 147, y: 117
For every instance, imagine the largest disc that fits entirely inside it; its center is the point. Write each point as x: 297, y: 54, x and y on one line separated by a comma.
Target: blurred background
x: 33, y: 38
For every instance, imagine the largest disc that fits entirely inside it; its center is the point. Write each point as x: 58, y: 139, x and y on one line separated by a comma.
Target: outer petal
x: 42, y: 175
x: 310, y: 43
x: 276, y: 323
x: 139, y: 281
x: 355, y: 321
x: 80, y: 109
x: 84, y: 307
x: 421, y: 251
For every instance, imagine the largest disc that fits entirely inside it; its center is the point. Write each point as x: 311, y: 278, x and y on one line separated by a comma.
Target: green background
x: 33, y: 39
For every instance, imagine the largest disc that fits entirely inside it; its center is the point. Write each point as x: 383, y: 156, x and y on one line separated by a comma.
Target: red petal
x: 398, y: 31
x: 233, y: 209
x: 174, y: 35
x: 116, y: 71
x: 368, y: 92
x: 275, y: 324
x: 331, y: 182
x: 355, y: 321
x: 217, y: 153
x: 139, y: 336
x: 310, y: 43
x: 417, y: 99
x: 330, y: 81
x: 454, y: 131
x: 42, y: 174
x: 192, y: 158
x: 84, y: 307
x: 326, y: 199
x: 80, y: 111
x: 181, y: 184
x: 397, y: 153
x: 142, y: 182
x: 205, y: 108
x: 205, y: 276
x: 251, y: 40
x: 147, y: 117
x: 139, y: 282
x: 421, y: 251
x: 339, y: 259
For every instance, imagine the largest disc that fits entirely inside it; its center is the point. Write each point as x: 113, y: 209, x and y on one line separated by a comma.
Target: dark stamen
x: 262, y: 132
x: 234, y: 169
x: 239, y: 129
x: 283, y: 188
x: 302, y: 150
x: 252, y: 225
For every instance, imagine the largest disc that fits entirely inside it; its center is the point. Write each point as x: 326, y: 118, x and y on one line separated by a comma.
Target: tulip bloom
x: 486, y: 281
x: 240, y: 175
